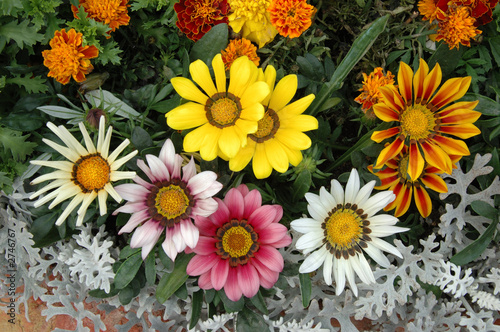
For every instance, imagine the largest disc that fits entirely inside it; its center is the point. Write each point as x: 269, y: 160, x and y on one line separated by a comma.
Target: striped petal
x: 379, y: 136
x: 423, y: 201
x: 434, y: 182
x: 389, y: 152
x: 452, y: 146
x: 435, y: 156
x: 405, y: 75
x: 415, y: 162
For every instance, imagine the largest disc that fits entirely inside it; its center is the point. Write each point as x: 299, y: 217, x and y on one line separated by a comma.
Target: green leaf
x: 476, y: 248
x: 231, y: 306
x: 127, y: 271
x: 30, y: 84
x: 495, y: 49
x: 141, y: 139
x: 249, y: 321
x: 13, y: 141
x: 305, y: 288
x: 259, y: 303
x: 151, y: 268
x: 196, y: 305
x: 301, y: 185
x: 170, y: 282
x: 109, y: 53
x: 21, y: 33
x: 486, y: 105
x: 359, y: 48
x: 41, y: 226
x: 446, y: 58
x: 128, y: 251
x: 10, y: 7
x: 210, y: 44
x: 61, y: 112
x: 101, y: 294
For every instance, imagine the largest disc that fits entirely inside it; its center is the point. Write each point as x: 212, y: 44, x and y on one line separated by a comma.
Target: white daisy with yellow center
x: 86, y: 174
x: 343, y: 226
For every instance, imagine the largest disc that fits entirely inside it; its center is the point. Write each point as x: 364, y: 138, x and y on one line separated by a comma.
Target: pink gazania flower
x: 238, y: 245
x: 169, y: 202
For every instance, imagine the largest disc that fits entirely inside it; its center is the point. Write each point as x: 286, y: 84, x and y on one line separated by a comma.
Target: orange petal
x: 405, y: 76
x: 468, y: 105
x: 423, y: 201
x: 431, y: 82
x: 385, y: 113
x: 391, y: 97
x: 434, y: 182
x: 463, y: 131
x: 460, y: 116
x: 379, y: 136
x: 452, y: 89
x: 415, y: 162
x: 418, y: 79
x: 404, y: 200
x: 435, y: 156
x: 452, y: 146
x: 398, y: 191
x: 389, y: 152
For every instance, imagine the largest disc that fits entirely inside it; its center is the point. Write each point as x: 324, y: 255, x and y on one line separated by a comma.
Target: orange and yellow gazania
x: 395, y: 177
x: 237, y: 48
x: 370, y: 94
x: 111, y: 12
x: 291, y: 17
x: 68, y: 57
x: 424, y: 118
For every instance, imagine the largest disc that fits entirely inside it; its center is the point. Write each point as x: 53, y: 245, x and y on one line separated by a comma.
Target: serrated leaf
x: 13, y: 141
x: 30, y: 84
x: 21, y: 33
x: 127, y: 271
x: 10, y: 7
x: 171, y: 282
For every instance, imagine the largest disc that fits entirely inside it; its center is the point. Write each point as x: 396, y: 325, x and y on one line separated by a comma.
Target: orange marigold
x: 290, y: 17
x: 370, y: 94
x: 481, y: 10
x: 68, y: 58
x: 457, y: 28
x: 430, y: 11
x: 111, y: 12
x: 237, y: 48
x: 196, y: 17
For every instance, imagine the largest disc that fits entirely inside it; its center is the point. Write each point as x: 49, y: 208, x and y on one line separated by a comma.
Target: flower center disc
x: 223, y: 109
x: 268, y: 126
x: 237, y: 241
x: 171, y: 201
x: 417, y: 122
x: 91, y: 172
x: 204, y: 9
x: 343, y: 229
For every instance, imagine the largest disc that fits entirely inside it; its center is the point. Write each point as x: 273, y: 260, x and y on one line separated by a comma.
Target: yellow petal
x: 300, y: 123
x: 201, y: 75
x: 239, y: 75
x: 194, y: 139
x: 431, y: 82
x: 186, y: 116
x: 293, y: 139
x: 187, y: 90
x: 418, y: 79
x: 415, y: 162
x: 243, y: 157
x: 247, y: 126
x: 270, y: 79
x: 297, y: 107
x: 260, y: 165
x: 294, y: 156
x: 462, y: 131
x: 405, y: 76
x: 423, y: 201
x: 253, y: 112
x: 229, y: 142
x: 210, y: 144
x: 220, y: 73
x: 283, y: 92
x: 276, y: 155
x: 254, y: 93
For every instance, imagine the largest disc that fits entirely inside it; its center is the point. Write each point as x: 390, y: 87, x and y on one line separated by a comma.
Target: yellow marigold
x: 370, y: 94
x: 68, y: 57
x: 111, y: 12
x: 430, y: 11
x: 237, y: 48
x: 457, y: 28
x: 291, y: 17
x: 251, y: 19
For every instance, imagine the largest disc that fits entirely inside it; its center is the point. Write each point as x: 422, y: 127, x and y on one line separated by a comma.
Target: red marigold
x: 291, y: 17
x: 196, y: 17
x: 68, y: 58
x: 111, y: 12
x: 481, y: 10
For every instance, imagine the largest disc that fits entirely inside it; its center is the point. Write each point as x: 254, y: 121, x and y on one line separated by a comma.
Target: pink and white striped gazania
x: 343, y: 226
x: 168, y: 202
x: 238, y: 245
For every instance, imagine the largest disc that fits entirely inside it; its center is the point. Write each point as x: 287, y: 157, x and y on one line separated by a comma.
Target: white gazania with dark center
x: 342, y: 227
x: 168, y: 202
x: 87, y: 174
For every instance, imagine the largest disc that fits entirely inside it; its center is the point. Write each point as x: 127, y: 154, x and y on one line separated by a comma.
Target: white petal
x: 112, y: 157
x: 339, y: 273
x: 310, y: 240
x: 120, y: 162
x: 132, y: 192
x: 327, y: 270
x: 378, y: 202
x: 337, y: 192
x: 382, y: 245
x: 88, y: 141
x: 314, y: 260
x: 364, y: 193
x: 383, y: 219
x: 134, y: 220
x: 112, y: 192
x: 189, y: 170
x: 167, y: 154
x: 352, y: 187
x: 71, y: 206
x: 362, y: 268
x: 306, y: 225
x: 66, y: 152
x: 190, y: 233
x: 158, y: 168
x: 316, y: 209
x: 205, y: 207
x: 349, y: 273
x: 327, y: 199
x: 102, y: 196
x: 169, y: 247
x: 383, y: 231
x: 376, y: 255
x: 201, y: 182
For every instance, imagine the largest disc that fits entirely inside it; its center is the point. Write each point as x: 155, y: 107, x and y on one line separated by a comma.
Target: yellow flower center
x: 268, y: 126
x: 237, y: 241
x: 346, y: 230
x: 91, y: 172
x: 171, y: 201
x: 417, y: 122
x: 204, y: 9
x: 223, y: 109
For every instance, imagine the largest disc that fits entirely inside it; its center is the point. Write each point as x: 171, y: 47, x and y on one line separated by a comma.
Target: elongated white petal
x: 88, y: 141
x: 377, y: 255
x: 327, y: 199
x: 352, y: 187
x: 327, y: 270
x: 310, y: 240
x: 112, y: 157
x: 377, y: 202
x: 382, y: 245
x: 337, y: 192
x: 314, y: 260
x: 304, y: 225
x: 71, y: 206
x: 364, y: 193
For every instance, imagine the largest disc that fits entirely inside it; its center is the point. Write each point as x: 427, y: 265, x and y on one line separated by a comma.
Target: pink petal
x: 263, y: 217
x: 146, y: 237
x: 204, y: 281
x: 131, y: 208
x: 205, y: 207
x: 205, y: 226
x: 177, y: 238
x: 158, y: 168
x: 169, y: 246
x: 222, y: 215
x: 200, y: 264
x: 272, y: 233
x: 253, y: 201
x: 201, y: 182
x: 142, y: 165
x: 264, y: 272
x: 270, y: 257
x: 231, y: 288
x: 219, y: 274
x: 132, y: 192
x: 243, y: 189
x: 279, y: 213
x: 248, y: 280
x: 190, y: 233
x: 284, y: 242
x: 205, y: 245
x: 167, y: 154
x: 188, y: 171
x: 134, y: 220
x: 143, y: 183
x: 235, y: 204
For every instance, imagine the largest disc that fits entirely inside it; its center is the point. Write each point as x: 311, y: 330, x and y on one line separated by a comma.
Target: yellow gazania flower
x: 424, y: 119
x: 251, y: 19
x: 224, y: 116
x: 291, y: 17
x: 237, y: 48
x: 86, y: 175
x: 395, y: 177
x: 370, y: 94
x: 68, y: 58
x: 279, y: 140
x: 458, y: 28
x: 111, y: 12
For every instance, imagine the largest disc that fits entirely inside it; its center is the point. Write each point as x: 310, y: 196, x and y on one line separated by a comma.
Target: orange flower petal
x: 463, y: 131
x: 379, y: 136
x: 423, y: 201
x: 405, y: 76
x: 418, y: 79
x: 431, y: 82
x: 453, y: 89
x: 398, y: 191
x: 466, y: 105
x: 389, y: 152
x: 404, y: 200
x: 385, y: 113
x: 460, y: 116
x: 452, y: 146
x: 434, y: 182
x: 391, y: 98
x: 415, y: 163
x: 435, y: 156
